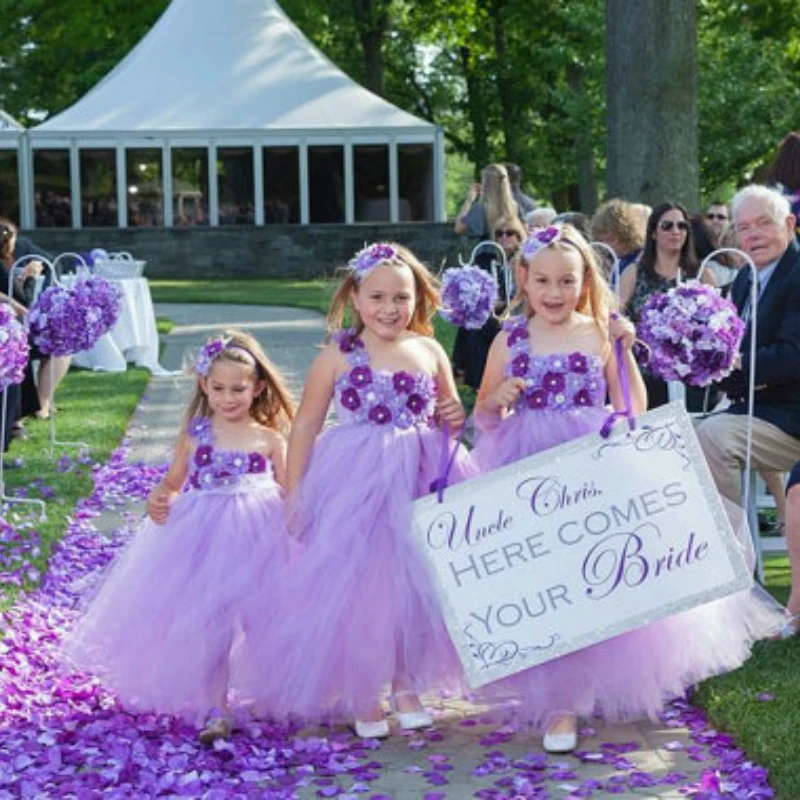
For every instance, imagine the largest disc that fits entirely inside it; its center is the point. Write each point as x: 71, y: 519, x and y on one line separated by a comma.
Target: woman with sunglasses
x: 471, y: 347
x: 668, y: 258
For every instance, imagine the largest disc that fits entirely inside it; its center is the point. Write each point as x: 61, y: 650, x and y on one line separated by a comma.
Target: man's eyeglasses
x: 505, y: 232
x: 669, y: 224
x: 720, y: 217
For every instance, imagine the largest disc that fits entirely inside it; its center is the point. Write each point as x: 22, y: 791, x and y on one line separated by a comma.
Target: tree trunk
x: 476, y: 110
x: 651, y: 91
x: 584, y: 151
x: 506, y: 85
x: 372, y: 20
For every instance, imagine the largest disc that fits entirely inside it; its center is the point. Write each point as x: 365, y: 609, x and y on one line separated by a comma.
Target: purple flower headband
x: 364, y: 261
x: 542, y: 239
x: 211, y: 349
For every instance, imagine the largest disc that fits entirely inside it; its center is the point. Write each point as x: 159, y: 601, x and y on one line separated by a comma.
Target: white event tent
x: 225, y: 113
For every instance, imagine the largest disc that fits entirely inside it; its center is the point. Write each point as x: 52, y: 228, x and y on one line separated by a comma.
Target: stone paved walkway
x: 462, y: 738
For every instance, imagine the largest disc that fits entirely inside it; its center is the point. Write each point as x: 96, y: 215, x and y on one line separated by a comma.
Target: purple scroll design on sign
x: 490, y: 654
x: 648, y: 438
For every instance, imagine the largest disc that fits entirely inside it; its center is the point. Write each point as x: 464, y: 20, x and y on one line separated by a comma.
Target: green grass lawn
x: 95, y: 408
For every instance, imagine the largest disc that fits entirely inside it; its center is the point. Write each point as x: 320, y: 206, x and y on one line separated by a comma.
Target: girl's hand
x: 506, y: 394
x: 621, y: 328
x: 451, y: 411
x: 159, y: 502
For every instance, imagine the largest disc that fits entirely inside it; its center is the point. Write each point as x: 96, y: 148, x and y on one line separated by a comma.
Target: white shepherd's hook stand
x: 55, y: 273
x: 615, y: 273
x: 5, y: 499
x: 751, y: 394
x: 504, y: 267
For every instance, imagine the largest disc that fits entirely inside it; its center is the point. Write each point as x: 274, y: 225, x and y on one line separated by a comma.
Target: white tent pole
x: 349, y: 184
x: 122, y: 188
x: 394, y: 182
x: 258, y: 181
x: 166, y: 182
x: 213, y: 185
x: 305, y: 202
x: 75, y: 184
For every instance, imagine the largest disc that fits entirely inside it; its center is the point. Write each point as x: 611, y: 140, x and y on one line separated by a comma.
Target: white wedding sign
x: 577, y: 544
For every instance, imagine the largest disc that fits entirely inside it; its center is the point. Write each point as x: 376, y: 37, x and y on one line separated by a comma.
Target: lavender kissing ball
x: 692, y: 333
x: 469, y: 295
x: 13, y: 348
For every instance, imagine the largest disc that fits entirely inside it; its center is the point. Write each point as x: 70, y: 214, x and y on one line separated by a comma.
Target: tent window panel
x: 235, y: 186
x: 189, y: 186
x: 9, y: 185
x: 326, y: 183
x: 415, y: 168
x: 143, y: 168
x: 371, y: 175
x: 98, y: 170
x: 51, y: 188
x: 281, y: 166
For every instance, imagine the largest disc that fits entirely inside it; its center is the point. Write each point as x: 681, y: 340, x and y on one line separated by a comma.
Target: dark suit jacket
x: 777, y: 368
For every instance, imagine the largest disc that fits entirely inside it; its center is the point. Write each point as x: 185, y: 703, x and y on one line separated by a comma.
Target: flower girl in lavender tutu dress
x: 363, y: 614
x: 173, y: 623
x: 546, y: 380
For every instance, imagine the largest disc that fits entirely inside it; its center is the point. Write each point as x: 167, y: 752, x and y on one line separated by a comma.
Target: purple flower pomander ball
x: 692, y: 334
x: 469, y: 296
x: 13, y: 348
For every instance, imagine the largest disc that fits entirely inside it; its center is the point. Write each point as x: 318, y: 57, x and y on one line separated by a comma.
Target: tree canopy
x: 507, y: 80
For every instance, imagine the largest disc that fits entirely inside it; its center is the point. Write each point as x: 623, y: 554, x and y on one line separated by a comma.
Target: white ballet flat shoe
x: 410, y: 720
x: 561, y: 732
x: 379, y: 729
x: 218, y: 728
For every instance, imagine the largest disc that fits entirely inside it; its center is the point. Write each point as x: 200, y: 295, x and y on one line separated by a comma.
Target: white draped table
x: 134, y: 339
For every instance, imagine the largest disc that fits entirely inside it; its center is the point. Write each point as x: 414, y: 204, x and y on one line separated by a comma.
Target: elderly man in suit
x: 765, y: 229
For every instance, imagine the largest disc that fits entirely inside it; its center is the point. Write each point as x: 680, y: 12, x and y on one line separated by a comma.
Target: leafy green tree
x: 53, y: 51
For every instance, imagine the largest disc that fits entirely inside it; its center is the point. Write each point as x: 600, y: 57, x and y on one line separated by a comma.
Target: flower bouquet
x: 67, y: 321
x: 691, y: 333
x: 469, y: 295
x: 13, y: 348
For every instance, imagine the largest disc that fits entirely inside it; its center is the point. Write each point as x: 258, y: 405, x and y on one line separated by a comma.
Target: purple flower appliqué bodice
x: 379, y: 397
x: 557, y: 381
x: 211, y: 468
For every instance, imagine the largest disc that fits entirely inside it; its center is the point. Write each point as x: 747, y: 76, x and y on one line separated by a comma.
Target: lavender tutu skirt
x: 358, y: 606
x: 632, y: 675
x: 175, y: 618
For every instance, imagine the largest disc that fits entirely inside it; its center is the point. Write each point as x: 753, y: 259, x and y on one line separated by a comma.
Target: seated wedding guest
x: 579, y: 221
x: 540, y: 218
x: 618, y: 224
x: 765, y: 227
x: 668, y: 258
x: 792, y: 532
x: 35, y: 393
x: 717, y: 220
x: 471, y: 347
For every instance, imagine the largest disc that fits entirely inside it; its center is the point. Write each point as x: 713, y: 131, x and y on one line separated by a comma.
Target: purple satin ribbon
x: 446, y: 459
x: 622, y: 372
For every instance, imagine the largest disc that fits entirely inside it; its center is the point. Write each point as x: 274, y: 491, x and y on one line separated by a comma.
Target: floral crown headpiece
x: 211, y: 351
x: 366, y: 259
x: 542, y: 239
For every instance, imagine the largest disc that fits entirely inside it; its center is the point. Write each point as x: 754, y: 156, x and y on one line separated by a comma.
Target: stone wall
x: 275, y: 251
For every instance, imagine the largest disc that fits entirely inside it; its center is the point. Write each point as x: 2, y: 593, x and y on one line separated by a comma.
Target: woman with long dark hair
x: 667, y: 259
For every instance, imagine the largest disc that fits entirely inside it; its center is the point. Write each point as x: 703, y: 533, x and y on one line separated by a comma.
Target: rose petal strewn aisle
x: 66, y: 736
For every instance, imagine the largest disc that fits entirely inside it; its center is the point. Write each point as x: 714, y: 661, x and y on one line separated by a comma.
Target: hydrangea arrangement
x: 67, y: 321
x: 13, y: 348
x: 366, y: 259
x: 469, y: 295
x: 692, y: 334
